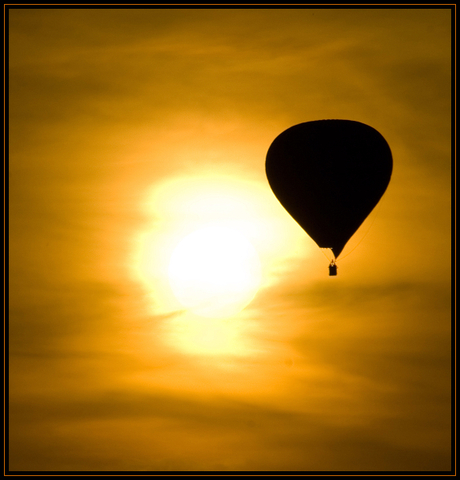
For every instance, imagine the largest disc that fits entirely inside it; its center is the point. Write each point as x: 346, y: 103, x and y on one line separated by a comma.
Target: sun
x: 212, y: 242
x: 214, y: 272
x: 209, y: 244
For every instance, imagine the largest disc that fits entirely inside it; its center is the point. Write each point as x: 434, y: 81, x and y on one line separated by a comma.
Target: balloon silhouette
x: 329, y: 175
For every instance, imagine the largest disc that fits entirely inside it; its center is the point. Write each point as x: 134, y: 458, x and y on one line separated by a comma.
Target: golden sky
x: 134, y: 134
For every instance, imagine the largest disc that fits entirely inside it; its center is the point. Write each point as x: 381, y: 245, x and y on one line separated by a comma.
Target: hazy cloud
x: 337, y: 374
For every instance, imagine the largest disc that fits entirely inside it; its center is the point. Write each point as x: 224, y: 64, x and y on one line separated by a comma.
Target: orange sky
x: 130, y: 129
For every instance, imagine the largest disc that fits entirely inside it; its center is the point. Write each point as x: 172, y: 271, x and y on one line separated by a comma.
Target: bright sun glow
x: 214, y: 272
x: 212, y: 242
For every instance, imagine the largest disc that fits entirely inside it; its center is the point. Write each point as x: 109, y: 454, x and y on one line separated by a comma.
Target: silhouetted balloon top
x: 329, y: 175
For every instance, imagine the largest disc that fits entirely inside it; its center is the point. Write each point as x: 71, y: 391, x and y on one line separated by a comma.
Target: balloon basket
x: 332, y: 270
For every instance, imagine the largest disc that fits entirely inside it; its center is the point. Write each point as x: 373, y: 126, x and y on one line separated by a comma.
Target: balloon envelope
x: 329, y: 175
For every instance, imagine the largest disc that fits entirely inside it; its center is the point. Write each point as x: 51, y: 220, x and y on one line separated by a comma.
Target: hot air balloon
x: 329, y: 175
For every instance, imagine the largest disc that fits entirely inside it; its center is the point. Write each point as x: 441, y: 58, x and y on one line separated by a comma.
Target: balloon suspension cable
x: 324, y: 253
